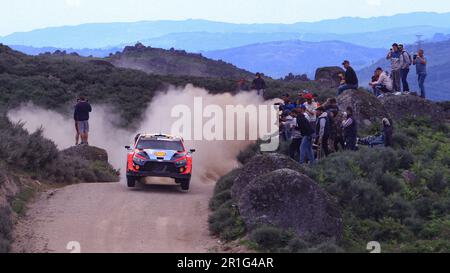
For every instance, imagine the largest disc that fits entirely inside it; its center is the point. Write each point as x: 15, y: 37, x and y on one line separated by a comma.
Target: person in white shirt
x: 310, y: 112
x: 383, y: 84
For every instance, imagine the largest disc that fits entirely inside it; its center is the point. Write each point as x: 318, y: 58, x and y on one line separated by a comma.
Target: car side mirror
x: 128, y: 147
x: 193, y: 150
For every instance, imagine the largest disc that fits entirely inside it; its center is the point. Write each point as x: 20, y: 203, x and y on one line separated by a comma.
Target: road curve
x: 112, y: 218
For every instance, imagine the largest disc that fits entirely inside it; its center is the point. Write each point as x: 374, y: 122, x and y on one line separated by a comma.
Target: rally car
x: 160, y: 156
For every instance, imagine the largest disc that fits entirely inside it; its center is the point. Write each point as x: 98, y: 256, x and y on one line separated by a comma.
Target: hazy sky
x: 24, y: 15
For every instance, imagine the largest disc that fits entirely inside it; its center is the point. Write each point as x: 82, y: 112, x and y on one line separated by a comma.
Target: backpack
x: 409, y: 59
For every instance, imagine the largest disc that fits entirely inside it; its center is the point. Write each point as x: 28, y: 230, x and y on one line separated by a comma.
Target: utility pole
x: 419, y: 41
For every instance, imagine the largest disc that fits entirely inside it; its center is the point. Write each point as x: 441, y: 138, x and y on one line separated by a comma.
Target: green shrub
x: 270, y: 238
x: 226, y: 223
x: 219, y: 199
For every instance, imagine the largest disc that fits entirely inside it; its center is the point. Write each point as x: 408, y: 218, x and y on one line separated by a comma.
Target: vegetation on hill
x: 397, y: 196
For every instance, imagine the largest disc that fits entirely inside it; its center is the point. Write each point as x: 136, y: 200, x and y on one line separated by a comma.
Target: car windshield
x: 151, y: 144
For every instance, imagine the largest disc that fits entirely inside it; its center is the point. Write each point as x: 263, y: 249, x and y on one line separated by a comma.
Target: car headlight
x: 181, y: 163
x: 178, y: 156
x: 138, y: 161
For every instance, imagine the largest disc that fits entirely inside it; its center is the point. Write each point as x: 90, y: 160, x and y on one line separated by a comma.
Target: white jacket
x: 384, y: 80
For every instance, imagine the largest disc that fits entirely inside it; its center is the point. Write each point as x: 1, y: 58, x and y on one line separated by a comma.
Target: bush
x: 270, y: 238
x: 5, y: 229
x: 226, y: 223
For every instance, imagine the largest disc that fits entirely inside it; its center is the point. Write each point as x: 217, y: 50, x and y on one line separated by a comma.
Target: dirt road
x: 112, y: 218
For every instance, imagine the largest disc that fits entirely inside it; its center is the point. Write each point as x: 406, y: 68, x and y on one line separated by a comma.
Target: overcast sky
x: 25, y: 15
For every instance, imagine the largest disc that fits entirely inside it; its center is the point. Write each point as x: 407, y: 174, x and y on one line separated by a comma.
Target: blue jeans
x: 380, y: 89
x: 306, y: 150
x: 404, y: 75
x: 345, y: 87
x: 421, y: 78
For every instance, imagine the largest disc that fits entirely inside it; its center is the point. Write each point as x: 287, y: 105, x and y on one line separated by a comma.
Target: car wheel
x: 185, y: 184
x: 131, y: 181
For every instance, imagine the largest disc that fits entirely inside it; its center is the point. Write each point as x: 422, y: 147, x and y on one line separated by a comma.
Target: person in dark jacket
x: 350, y: 130
x: 306, y: 150
x: 259, y: 85
x: 81, y: 116
x: 323, y: 130
x: 351, y: 80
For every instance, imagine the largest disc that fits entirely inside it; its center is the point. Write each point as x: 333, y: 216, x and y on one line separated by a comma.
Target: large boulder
x: 368, y: 110
x: 89, y: 153
x: 329, y: 76
x: 260, y: 165
x: 292, y: 201
x: 399, y: 107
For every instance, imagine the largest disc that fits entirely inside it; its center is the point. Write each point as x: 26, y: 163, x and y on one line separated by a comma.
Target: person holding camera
x: 396, y: 66
x: 421, y: 68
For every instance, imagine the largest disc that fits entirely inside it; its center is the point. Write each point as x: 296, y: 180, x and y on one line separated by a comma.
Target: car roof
x: 164, y: 137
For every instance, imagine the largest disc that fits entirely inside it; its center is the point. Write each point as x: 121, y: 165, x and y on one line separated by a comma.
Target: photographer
x: 394, y: 56
x: 421, y: 68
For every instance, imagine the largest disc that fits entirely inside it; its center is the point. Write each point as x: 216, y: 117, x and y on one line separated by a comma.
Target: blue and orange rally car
x: 161, y: 156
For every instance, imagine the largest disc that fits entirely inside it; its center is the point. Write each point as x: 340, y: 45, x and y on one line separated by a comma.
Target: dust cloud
x: 211, y: 160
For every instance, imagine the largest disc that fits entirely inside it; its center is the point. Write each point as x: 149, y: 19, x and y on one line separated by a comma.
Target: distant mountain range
x: 167, y: 33
x: 277, y: 59
x: 438, y: 80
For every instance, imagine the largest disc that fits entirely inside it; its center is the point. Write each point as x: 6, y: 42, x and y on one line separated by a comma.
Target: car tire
x: 131, y: 181
x: 185, y: 184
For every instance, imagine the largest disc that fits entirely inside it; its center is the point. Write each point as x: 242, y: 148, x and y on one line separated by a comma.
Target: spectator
x: 296, y: 137
x: 405, y: 62
x: 421, y: 68
x: 350, y: 79
x: 81, y: 116
x: 259, y: 85
x: 382, y: 139
x: 332, y: 109
x: 306, y: 150
x: 310, y: 110
x: 394, y: 57
x: 287, y: 104
x: 323, y: 130
x: 77, y: 131
x: 383, y: 84
x: 350, y: 130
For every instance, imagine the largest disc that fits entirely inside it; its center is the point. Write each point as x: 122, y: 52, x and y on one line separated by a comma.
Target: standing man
x: 310, y: 110
x: 394, y: 57
x: 323, y: 130
x: 421, y: 68
x: 306, y: 132
x: 405, y: 62
x: 81, y: 116
x: 351, y: 80
x: 350, y: 130
x: 296, y: 137
x: 259, y: 85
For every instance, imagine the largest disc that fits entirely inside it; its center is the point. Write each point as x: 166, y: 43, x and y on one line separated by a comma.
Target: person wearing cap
x: 310, y: 110
x: 306, y: 131
x: 350, y: 78
x: 394, y: 56
x: 405, y: 62
x: 383, y: 84
x: 259, y: 85
x: 323, y: 129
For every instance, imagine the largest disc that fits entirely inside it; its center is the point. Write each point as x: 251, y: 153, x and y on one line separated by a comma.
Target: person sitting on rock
x: 385, y: 138
x: 351, y: 80
x: 383, y: 84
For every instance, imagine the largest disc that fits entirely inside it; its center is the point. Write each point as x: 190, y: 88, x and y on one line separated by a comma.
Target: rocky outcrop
x: 329, y: 76
x: 368, y: 110
x: 89, y: 153
x: 403, y: 106
x: 292, y: 201
x: 260, y: 165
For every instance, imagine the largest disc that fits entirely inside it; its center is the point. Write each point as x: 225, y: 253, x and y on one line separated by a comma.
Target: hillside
x: 438, y: 70
x: 278, y: 59
x: 174, y: 62
x: 103, y: 35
